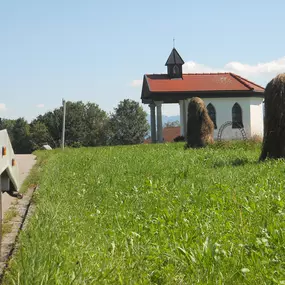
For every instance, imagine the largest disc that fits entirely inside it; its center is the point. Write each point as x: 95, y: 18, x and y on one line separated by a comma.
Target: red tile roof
x: 147, y: 141
x: 170, y: 133
x: 201, y: 82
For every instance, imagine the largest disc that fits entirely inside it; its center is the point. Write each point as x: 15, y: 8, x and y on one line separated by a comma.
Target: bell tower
x: 174, y: 64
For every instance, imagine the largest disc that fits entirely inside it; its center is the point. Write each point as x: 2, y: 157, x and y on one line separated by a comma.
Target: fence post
x: 0, y: 220
x: 63, y: 124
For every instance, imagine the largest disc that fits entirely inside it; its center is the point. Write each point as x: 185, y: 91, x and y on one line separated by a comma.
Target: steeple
x: 174, y: 64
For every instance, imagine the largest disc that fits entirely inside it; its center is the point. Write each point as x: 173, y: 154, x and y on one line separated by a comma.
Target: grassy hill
x: 155, y: 214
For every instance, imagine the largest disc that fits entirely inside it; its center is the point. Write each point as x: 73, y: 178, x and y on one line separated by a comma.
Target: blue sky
x: 98, y: 51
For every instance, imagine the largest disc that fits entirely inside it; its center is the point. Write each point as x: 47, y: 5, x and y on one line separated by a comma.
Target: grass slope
x: 155, y: 214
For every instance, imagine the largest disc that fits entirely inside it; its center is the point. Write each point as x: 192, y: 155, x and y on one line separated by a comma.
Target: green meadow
x: 155, y: 214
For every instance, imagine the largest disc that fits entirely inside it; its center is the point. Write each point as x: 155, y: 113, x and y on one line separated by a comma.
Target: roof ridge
x: 248, y: 81
x: 179, y: 56
x: 191, y: 73
x: 239, y: 79
x: 208, y: 73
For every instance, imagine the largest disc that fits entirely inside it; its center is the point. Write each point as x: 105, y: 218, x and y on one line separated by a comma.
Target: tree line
x: 86, y: 126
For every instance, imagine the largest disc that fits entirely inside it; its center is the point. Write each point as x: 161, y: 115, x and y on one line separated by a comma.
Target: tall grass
x: 155, y: 214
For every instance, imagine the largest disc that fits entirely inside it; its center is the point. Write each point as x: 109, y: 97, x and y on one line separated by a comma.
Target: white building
x: 229, y: 98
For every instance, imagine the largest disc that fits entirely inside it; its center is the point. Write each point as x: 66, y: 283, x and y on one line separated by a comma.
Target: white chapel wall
x: 256, y: 116
x: 223, y: 108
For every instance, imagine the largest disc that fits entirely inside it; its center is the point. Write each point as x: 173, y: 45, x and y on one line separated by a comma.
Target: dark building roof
x: 174, y: 58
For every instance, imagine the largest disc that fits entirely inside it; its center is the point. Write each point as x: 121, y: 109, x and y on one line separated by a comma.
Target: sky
x: 98, y: 51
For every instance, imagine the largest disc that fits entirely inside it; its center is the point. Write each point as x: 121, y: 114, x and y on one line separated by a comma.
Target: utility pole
x: 63, y: 124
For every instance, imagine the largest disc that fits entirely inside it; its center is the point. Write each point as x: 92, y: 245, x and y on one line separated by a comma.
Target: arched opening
x: 175, y: 70
x: 237, y: 116
x: 212, y: 113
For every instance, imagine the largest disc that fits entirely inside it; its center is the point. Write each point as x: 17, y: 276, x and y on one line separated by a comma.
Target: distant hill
x: 166, y: 119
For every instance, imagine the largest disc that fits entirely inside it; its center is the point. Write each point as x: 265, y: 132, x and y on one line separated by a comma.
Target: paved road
x: 25, y: 163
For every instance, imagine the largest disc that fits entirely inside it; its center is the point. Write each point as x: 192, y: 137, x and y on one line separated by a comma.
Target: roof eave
x: 207, y: 91
x: 145, y: 88
x: 174, y: 97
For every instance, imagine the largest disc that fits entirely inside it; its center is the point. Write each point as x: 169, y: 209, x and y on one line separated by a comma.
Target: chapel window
x: 212, y: 114
x: 175, y: 70
x: 237, y: 116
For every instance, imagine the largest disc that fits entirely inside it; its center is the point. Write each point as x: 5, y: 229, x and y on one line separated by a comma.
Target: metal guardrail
x: 8, y: 164
x: 9, y: 172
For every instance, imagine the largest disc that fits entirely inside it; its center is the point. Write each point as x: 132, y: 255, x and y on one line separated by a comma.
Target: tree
x: 85, y: 125
x: 75, y: 123
x: 8, y: 125
x: 19, y: 134
x: 128, y: 123
x: 52, y: 122
x: 21, y: 137
x: 39, y: 135
x: 96, y: 124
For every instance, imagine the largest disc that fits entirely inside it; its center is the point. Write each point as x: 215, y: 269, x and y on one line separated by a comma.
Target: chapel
x: 229, y: 98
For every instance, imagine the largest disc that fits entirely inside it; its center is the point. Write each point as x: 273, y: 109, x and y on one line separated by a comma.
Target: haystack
x: 200, y: 127
x: 274, y: 119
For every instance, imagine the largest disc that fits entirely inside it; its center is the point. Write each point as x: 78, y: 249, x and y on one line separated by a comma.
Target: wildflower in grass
x: 245, y: 270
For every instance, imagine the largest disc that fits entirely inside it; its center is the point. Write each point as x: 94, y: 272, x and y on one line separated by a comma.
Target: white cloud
x: 193, y: 67
x: 137, y: 83
x: 3, y: 107
x: 40, y: 106
x: 261, y: 73
x: 272, y: 67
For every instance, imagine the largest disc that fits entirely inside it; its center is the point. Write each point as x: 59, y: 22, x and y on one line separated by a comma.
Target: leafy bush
x: 179, y: 139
